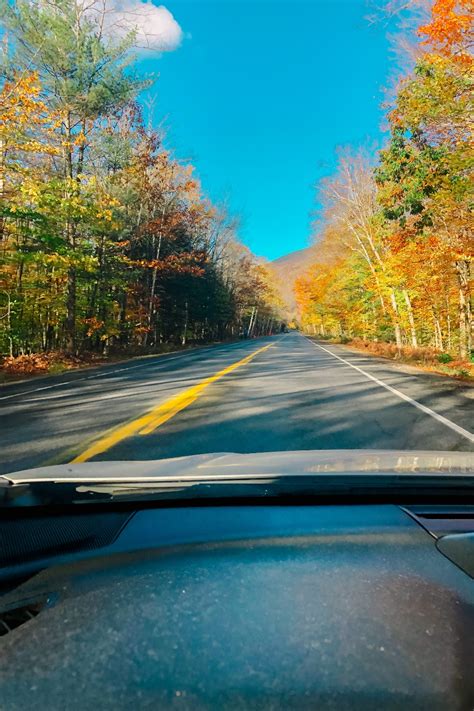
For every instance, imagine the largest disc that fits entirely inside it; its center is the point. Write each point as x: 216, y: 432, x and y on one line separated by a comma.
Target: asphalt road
x: 269, y: 394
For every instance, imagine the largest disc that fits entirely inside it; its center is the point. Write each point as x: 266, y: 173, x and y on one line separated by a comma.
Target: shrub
x: 444, y: 358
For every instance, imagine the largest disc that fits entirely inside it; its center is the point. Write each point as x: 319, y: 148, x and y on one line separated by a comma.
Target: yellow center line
x: 147, y: 423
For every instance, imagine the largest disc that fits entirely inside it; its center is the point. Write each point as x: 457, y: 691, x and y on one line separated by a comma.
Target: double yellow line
x: 160, y: 414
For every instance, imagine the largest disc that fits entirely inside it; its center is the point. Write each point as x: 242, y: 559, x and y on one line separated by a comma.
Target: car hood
x: 263, y: 464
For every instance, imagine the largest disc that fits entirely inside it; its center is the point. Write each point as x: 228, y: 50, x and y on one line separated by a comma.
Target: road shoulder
x: 401, y: 366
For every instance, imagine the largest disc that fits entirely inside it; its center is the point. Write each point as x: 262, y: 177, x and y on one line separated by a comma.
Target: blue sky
x: 259, y: 96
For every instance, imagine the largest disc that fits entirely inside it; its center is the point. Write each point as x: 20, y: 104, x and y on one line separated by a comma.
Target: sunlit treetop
x: 450, y: 31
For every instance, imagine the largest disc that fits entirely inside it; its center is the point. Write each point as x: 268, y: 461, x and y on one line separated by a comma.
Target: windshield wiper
x: 308, y: 487
x: 313, y: 474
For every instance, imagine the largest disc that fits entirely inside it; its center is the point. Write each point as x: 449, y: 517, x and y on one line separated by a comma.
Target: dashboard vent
x: 11, y: 619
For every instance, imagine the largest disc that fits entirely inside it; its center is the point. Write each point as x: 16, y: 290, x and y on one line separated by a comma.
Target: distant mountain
x: 287, y: 269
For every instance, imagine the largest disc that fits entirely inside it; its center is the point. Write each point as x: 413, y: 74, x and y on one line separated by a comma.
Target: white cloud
x: 155, y: 26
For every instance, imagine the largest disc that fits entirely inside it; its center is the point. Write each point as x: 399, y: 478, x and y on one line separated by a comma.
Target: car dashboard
x: 256, y: 606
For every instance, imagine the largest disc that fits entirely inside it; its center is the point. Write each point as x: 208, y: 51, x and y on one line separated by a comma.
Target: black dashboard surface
x: 251, y: 607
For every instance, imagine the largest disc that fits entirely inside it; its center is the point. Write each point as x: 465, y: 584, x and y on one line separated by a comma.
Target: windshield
x: 235, y: 226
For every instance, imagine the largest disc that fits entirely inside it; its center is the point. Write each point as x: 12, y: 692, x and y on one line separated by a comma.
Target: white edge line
x: 428, y: 411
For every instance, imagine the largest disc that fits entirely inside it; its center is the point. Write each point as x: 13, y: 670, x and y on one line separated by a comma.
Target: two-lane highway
x: 271, y: 394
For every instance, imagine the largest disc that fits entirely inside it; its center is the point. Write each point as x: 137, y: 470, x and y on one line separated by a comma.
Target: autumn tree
x: 83, y: 72
x: 424, y: 177
x: 403, y: 225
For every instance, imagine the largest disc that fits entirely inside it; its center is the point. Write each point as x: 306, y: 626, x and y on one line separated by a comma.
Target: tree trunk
x: 465, y: 317
x: 2, y: 184
x: 153, y: 283
x: 71, y: 241
x: 71, y: 310
x: 253, y: 318
x: 2, y: 168
x: 186, y: 316
x: 9, y: 324
x: 411, y: 320
x: 396, y: 321
x: 440, y: 333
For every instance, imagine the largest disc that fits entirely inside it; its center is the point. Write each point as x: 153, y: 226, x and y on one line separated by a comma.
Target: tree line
x: 106, y: 239
x: 395, y: 242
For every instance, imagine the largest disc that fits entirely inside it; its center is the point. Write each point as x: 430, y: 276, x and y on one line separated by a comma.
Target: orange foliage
x: 38, y: 363
x: 450, y: 29
x: 26, y: 364
x: 21, y: 109
x: 185, y: 263
x: 93, y: 324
